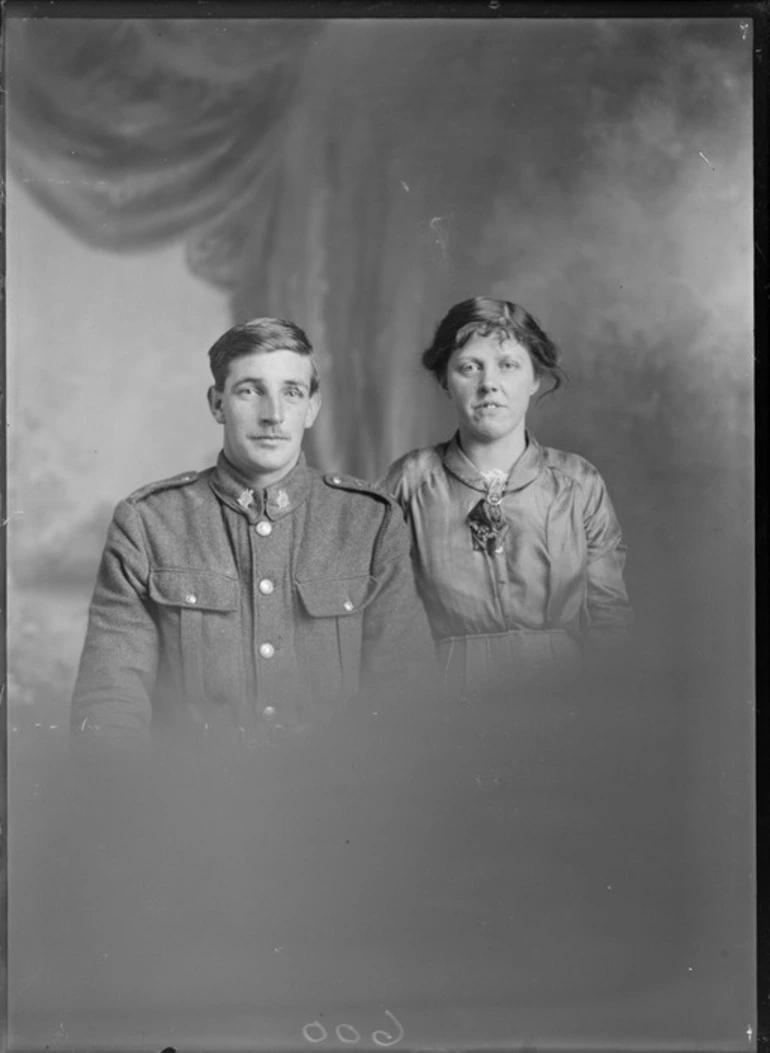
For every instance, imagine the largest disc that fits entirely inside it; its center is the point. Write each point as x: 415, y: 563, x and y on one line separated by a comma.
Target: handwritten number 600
x: 316, y: 1032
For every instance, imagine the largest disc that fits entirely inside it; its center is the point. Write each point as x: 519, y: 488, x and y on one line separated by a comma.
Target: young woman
x: 518, y: 553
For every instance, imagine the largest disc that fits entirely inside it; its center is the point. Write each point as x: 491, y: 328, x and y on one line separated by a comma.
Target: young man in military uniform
x: 257, y: 597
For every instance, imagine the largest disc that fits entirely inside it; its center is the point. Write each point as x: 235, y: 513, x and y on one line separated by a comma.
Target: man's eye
x: 294, y: 393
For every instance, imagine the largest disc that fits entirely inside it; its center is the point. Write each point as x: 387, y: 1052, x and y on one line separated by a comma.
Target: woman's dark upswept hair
x: 483, y: 316
x: 260, y: 334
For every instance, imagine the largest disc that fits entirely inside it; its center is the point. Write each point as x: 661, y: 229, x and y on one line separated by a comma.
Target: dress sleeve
x: 116, y: 676
x: 609, y: 610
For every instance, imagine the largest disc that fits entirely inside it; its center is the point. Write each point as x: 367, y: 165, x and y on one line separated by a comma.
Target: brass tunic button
x: 263, y: 528
x: 191, y: 598
x: 336, y: 480
x: 266, y: 587
x: 266, y: 650
x: 348, y: 605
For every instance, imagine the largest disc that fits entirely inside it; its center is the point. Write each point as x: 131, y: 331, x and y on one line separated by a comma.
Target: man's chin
x: 266, y: 462
x: 269, y: 466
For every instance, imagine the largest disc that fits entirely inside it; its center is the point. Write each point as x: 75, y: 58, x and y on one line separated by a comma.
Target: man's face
x: 265, y: 407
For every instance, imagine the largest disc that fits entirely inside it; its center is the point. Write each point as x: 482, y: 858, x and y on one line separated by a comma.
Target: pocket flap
x: 204, y: 590
x: 336, y: 597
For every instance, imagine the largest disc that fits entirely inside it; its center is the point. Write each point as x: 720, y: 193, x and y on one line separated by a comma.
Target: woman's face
x: 490, y: 381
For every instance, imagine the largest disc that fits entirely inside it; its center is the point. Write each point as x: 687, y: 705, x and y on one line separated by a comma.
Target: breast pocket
x: 199, y: 616
x: 331, y: 629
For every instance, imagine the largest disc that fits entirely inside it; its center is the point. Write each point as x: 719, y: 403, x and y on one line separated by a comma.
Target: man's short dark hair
x: 260, y: 334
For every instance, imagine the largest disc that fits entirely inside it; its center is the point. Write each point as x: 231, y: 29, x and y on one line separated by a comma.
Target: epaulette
x: 163, y: 484
x: 359, y: 486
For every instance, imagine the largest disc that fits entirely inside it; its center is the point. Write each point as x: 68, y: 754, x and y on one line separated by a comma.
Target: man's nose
x: 271, y: 408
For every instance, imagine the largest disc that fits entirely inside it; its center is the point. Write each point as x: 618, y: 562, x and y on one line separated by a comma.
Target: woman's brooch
x: 487, y: 524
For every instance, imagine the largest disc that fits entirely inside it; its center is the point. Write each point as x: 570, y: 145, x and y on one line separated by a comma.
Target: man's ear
x: 215, y: 404
x: 314, y: 405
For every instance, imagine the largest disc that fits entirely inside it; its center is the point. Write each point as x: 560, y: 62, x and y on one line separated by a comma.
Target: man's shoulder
x: 347, y: 486
x: 350, y: 520
x: 162, y: 486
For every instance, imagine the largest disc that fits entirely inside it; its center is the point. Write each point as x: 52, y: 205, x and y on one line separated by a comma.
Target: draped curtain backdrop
x: 360, y: 176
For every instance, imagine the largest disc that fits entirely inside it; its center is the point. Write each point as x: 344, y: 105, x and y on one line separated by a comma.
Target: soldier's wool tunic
x: 217, y: 604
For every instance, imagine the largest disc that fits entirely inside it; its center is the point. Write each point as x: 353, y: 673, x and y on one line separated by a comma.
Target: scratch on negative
x: 706, y: 160
x: 442, y: 236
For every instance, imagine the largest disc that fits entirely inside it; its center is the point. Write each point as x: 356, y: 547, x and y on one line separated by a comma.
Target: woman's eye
x: 510, y: 364
x: 466, y: 368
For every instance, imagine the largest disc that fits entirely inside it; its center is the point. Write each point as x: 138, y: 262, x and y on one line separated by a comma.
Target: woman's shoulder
x: 412, y: 469
x: 571, y: 467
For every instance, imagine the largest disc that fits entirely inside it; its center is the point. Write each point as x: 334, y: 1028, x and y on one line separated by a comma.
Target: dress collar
x: 273, y: 501
x: 524, y: 472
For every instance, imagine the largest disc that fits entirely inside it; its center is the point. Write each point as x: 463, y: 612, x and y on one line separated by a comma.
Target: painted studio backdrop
x: 168, y: 178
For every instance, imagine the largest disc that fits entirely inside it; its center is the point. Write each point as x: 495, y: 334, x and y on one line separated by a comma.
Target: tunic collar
x: 273, y: 501
x: 524, y: 472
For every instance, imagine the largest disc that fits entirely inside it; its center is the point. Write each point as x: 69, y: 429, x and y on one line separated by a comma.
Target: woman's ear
x: 535, y: 386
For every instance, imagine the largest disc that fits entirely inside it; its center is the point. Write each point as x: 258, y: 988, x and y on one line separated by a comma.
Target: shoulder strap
x: 163, y: 484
